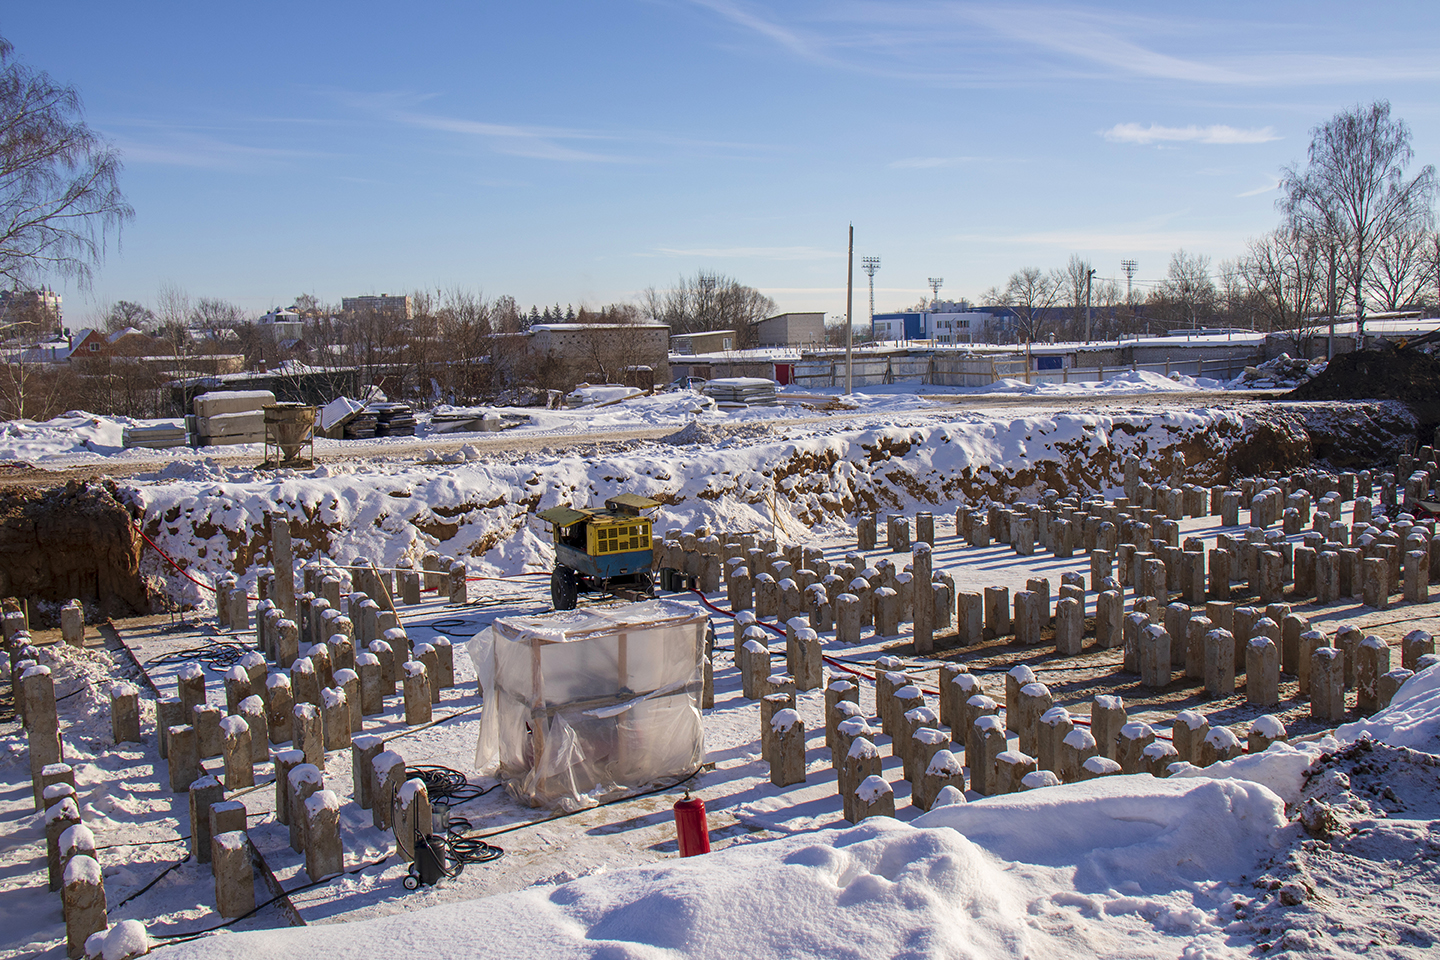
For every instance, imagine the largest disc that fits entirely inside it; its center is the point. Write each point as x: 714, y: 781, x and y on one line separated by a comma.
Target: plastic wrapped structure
x: 585, y: 705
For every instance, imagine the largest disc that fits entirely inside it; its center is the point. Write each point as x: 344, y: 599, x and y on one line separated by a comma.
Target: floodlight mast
x: 935, y: 284
x: 1129, y: 267
x: 870, y: 265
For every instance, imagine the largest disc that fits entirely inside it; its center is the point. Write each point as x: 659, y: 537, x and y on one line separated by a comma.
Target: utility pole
x: 870, y: 265
x: 849, y: 325
x: 1089, y: 276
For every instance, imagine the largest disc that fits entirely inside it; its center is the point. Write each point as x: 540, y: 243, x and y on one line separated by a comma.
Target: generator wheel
x: 563, y: 588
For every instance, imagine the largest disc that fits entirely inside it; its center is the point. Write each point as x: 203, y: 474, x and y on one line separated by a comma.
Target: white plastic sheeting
x: 584, y: 705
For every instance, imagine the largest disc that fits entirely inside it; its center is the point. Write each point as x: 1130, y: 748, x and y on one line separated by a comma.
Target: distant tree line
x: 1357, y: 236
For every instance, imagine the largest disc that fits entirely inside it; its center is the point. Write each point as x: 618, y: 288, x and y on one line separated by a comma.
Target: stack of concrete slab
x: 156, y: 435
x: 231, y: 416
x: 734, y: 392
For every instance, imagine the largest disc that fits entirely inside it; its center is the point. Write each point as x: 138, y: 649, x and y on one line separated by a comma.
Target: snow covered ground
x: 1215, y: 865
x: 1316, y: 850
x: 79, y: 438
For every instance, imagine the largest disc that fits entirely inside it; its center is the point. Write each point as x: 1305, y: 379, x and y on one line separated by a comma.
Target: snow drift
x: 939, y: 888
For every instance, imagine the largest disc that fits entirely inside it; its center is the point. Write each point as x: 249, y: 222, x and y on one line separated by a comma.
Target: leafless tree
x: 608, y: 352
x: 1030, y: 292
x: 123, y: 314
x: 1283, y: 271
x: 1402, y: 270
x: 709, y: 301
x: 465, y: 325
x: 1077, y: 279
x: 1354, y: 192
x: 1187, y: 294
x: 60, y: 196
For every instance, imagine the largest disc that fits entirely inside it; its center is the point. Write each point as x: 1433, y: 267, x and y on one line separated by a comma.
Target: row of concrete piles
x: 327, y: 659
x: 965, y: 731
x: 1133, y: 544
x: 71, y: 857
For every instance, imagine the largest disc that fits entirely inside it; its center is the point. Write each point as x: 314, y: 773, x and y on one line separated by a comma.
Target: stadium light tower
x: 935, y: 283
x: 870, y: 265
x: 1129, y: 267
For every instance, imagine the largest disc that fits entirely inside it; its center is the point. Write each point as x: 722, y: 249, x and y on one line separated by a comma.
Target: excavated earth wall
x: 79, y: 540
x: 798, y: 486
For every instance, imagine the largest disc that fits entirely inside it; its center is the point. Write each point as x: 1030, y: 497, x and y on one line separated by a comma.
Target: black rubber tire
x: 411, y: 882
x: 563, y: 588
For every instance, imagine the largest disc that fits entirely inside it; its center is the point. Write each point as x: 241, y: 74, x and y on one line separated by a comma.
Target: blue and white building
x: 946, y: 322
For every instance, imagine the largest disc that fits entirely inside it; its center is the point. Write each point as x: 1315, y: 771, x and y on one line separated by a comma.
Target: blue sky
x: 580, y: 152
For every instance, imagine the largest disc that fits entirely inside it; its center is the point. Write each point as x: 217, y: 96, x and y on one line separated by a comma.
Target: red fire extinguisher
x: 691, y: 827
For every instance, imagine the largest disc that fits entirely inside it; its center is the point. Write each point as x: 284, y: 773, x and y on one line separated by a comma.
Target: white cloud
x: 1215, y: 133
x: 1272, y: 185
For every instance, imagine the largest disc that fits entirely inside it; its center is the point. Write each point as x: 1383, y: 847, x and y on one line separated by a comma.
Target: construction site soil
x: 1384, y: 374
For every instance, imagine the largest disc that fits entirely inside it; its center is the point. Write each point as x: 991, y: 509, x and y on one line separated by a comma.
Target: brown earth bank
x: 1388, y: 373
x: 69, y: 542
x: 78, y: 540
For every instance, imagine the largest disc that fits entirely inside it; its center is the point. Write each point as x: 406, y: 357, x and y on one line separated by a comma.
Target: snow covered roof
x: 565, y: 327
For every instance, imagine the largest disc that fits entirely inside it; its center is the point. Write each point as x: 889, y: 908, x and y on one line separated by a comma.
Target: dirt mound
x: 1361, y: 876
x: 1386, y: 374
x: 75, y: 541
x: 1276, y: 441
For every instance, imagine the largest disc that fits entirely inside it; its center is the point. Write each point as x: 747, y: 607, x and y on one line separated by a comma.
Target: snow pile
x: 1281, y: 768
x: 803, y: 486
x: 587, y: 395
x: 75, y: 432
x: 1139, y: 852
x: 1363, y: 877
x: 1118, y: 831
x: 1411, y: 720
x: 1282, y: 373
x: 1128, y: 383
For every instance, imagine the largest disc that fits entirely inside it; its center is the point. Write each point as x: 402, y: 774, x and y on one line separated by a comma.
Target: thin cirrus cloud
x: 538, y: 142
x: 880, y: 38
x: 1273, y: 185
x: 178, y: 148
x: 519, y: 140
x: 1145, y: 134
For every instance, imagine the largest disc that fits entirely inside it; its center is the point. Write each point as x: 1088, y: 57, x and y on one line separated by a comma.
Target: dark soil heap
x: 1385, y: 374
x: 76, y: 541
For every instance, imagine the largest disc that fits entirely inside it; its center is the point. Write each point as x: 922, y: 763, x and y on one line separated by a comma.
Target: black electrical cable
x: 174, y: 938
x: 462, y: 849
x: 217, y: 654
x: 445, y: 784
x: 608, y: 803
x: 73, y: 693
x: 452, y: 627
x: 162, y: 876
